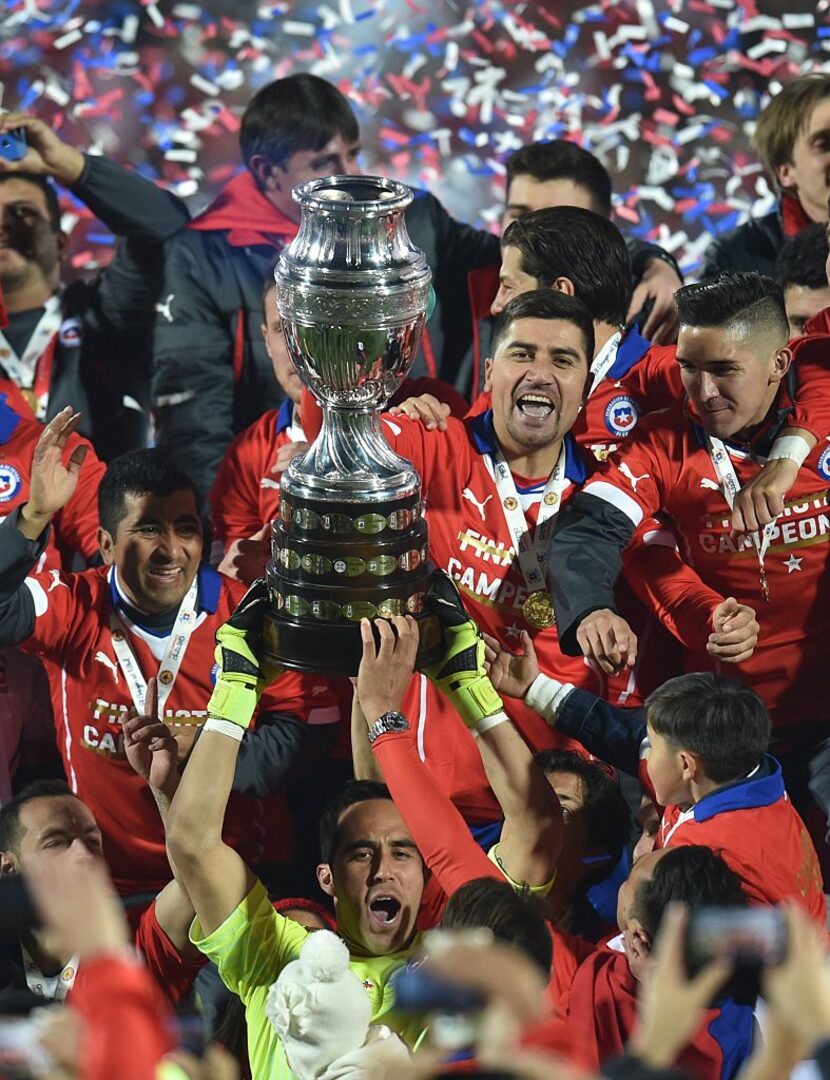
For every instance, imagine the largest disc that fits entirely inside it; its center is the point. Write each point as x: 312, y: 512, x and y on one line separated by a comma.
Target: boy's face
x: 284, y: 370
x: 666, y: 771
x: 802, y: 304
x: 807, y: 175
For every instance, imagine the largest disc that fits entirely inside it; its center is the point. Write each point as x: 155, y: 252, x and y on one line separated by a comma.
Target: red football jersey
x: 754, y: 827
x: 667, y: 467
x: 74, y: 527
x: 90, y: 696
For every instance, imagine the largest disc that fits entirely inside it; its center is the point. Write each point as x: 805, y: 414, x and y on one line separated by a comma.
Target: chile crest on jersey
x: 621, y: 414
x: 823, y: 465
x: 10, y: 482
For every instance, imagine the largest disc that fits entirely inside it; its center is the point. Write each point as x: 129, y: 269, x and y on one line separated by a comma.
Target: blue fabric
x: 733, y: 1029
x: 487, y: 834
x: 631, y: 350
x: 762, y: 790
x: 285, y: 415
x: 603, y: 896
x: 484, y: 440
x: 9, y: 420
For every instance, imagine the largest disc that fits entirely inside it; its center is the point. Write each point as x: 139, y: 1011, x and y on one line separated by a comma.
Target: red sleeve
x: 173, y: 973
x: 234, y: 497
x: 443, y: 391
x: 60, y: 600
x: 812, y: 406
x: 76, y: 526
x: 437, y: 828
x: 129, y: 1027
x: 655, y: 378
x: 668, y: 586
x: 636, y: 476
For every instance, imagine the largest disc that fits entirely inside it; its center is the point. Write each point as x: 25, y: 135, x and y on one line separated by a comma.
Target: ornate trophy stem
x: 350, y: 541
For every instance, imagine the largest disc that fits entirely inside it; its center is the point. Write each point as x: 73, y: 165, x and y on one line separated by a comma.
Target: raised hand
x: 149, y: 744
x: 657, y: 284
x: 46, y: 153
x: 246, y: 560
x: 386, y: 669
x: 53, y: 482
x: 511, y: 673
x: 735, y: 632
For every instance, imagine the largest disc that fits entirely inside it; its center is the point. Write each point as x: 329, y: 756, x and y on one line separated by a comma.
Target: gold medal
x: 551, y: 499
x: 538, y: 610
x: 510, y: 503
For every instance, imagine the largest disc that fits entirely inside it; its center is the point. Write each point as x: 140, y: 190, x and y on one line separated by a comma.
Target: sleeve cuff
x: 545, y: 696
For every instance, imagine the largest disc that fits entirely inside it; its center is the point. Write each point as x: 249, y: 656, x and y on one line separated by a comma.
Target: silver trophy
x: 350, y: 541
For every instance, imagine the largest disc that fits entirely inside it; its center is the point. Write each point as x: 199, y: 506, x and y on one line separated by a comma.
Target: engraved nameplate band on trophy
x: 350, y: 541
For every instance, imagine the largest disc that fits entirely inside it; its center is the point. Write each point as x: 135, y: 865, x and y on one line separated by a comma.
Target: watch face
x: 394, y: 721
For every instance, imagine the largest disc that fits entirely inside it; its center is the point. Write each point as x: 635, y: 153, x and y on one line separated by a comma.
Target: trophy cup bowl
x: 350, y: 541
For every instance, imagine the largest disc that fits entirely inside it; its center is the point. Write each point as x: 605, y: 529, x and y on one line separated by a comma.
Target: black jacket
x: 103, y: 350
x: 752, y: 246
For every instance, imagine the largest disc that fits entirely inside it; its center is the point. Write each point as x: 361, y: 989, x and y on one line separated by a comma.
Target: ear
x: 689, y: 765
x: 781, y: 364
x: 488, y: 373
x: 263, y: 329
x: 325, y: 879
x: 106, y: 545
x: 564, y: 285
x: 784, y: 174
x: 9, y: 865
x: 267, y: 174
x: 63, y: 244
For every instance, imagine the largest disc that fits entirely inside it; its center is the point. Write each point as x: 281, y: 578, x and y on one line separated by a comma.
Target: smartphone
x: 13, y: 144
x: 453, y: 1011
x: 750, y: 938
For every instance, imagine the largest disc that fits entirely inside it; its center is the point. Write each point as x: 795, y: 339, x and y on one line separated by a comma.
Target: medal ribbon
x: 604, y: 360
x: 173, y: 655
x: 531, y: 554
x: 730, y: 486
x: 52, y: 987
x: 33, y: 370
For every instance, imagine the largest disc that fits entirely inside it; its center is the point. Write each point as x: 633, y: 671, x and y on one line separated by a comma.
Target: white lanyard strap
x: 22, y: 368
x: 531, y: 554
x: 730, y: 486
x: 604, y: 360
x: 51, y: 987
x: 173, y: 654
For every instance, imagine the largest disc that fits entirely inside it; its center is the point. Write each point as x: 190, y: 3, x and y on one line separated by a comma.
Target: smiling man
x: 688, y: 462
x: 151, y: 610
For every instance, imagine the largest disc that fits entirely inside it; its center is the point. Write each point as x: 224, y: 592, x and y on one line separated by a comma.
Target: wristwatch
x: 389, y: 721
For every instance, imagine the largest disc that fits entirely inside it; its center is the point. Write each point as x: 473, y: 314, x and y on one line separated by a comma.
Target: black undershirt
x: 21, y: 327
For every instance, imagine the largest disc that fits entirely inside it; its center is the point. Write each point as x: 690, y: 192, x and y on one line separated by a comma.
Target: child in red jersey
x: 699, y: 748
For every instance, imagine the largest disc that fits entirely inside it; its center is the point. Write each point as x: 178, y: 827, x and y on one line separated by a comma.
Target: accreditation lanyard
x: 51, y: 987
x: 604, y: 360
x: 33, y: 370
x: 177, y: 643
x: 530, y: 553
x: 730, y: 486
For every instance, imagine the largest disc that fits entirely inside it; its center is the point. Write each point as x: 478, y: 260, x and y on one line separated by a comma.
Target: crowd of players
x: 626, y: 481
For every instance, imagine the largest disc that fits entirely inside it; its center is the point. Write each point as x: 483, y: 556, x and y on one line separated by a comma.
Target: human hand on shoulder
x: 428, y: 409
x: 46, y: 153
x: 245, y: 559
x: 761, y: 499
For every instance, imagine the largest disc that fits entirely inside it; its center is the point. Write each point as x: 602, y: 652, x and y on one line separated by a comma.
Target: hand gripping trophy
x: 350, y: 541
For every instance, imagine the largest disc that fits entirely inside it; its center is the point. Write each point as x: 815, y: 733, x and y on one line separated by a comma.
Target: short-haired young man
x: 599, y: 1013
x: 151, y: 609
x: 688, y: 462
x: 87, y: 344
x: 801, y: 271
x: 792, y: 139
x: 700, y: 749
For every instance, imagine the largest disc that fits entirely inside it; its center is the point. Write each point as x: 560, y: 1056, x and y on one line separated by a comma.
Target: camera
x: 750, y: 939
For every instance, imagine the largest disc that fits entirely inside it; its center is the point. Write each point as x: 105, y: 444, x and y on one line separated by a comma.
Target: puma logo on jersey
x: 468, y: 495
x: 710, y: 485
x: 56, y: 580
x: 164, y: 307
x: 267, y: 482
x: 629, y: 475
x: 102, y: 658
